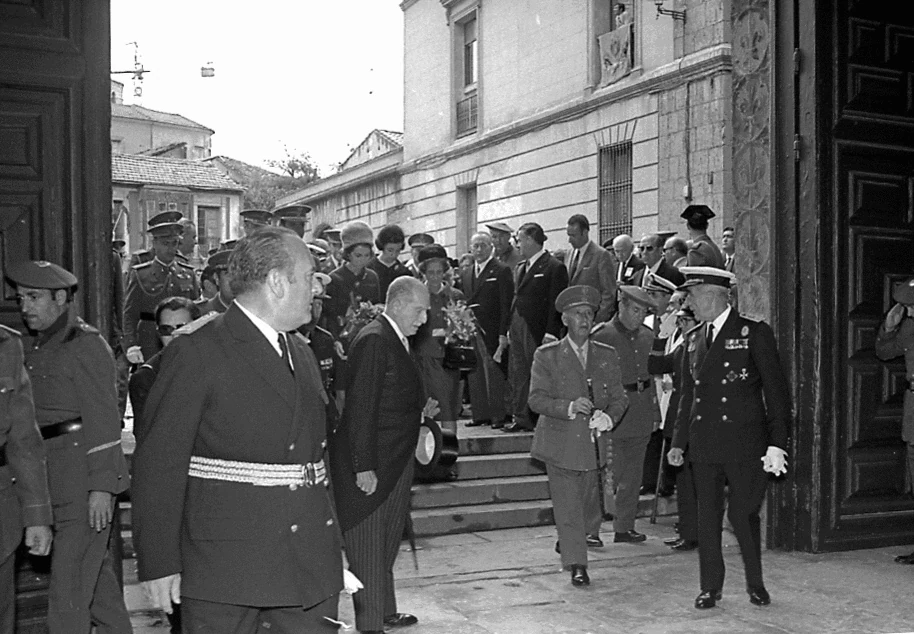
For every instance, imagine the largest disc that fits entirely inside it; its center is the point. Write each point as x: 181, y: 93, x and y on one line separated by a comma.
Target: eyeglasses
x: 166, y: 330
x: 647, y: 248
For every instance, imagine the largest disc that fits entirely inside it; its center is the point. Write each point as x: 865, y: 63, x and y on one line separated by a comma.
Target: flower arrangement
x: 461, y: 324
x: 358, y: 316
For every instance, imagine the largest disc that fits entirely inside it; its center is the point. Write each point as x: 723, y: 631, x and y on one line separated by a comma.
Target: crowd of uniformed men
x: 255, y: 366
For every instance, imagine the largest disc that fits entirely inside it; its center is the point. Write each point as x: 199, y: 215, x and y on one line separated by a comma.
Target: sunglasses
x: 646, y: 248
x: 166, y: 329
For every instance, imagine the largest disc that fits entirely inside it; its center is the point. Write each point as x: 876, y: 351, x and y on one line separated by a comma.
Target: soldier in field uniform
x: 218, y: 303
x: 73, y: 382
x: 702, y: 250
x: 149, y: 283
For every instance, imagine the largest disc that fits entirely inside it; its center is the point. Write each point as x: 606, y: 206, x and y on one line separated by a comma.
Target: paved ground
x: 509, y: 581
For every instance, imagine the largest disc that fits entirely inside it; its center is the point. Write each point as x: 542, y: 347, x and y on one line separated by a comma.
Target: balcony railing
x: 467, y: 115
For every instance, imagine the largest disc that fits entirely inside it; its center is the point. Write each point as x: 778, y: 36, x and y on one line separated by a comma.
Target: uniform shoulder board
x: 80, y: 329
x: 598, y: 328
x: 196, y: 324
x: 600, y: 344
x: 184, y: 264
x: 551, y: 344
x: 142, y: 265
x: 323, y: 331
x: 695, y: 329
x: 754, y: 320
x: 6, y: 332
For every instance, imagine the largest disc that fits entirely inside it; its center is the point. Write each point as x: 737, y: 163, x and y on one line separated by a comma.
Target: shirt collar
x: 721, y: 319
x: 268, y: 331
x: 167, y: 266
x: 397, y: 330
x: 483, y: 265
x: 578, y: 350
x: 583, y: 249
x: 653, y: 269
x: 536, y: 256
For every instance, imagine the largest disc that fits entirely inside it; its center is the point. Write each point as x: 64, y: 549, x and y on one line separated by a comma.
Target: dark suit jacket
x: 140, y: 385
x: 670, y: 273
x: 596, y: 269
x: 535, y: 293
x: 735, y: 399
x: 632, y: 272
x: 490, y: 297
x: 660, y: 362
x: 224, y: 392
x: 379, y: 428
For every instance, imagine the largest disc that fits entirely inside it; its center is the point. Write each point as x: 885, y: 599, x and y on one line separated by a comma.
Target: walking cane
x: 596, y: 448
x: 659, y: 477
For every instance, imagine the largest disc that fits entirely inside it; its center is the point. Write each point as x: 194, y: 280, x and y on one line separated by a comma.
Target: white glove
x: 351, y: 583
x: 600, y: 422
x: 135, y: 354
x: 775, y: 460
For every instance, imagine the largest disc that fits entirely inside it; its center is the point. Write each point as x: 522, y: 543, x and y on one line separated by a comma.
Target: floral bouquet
x: 358, y: 316
x: 460, y: 337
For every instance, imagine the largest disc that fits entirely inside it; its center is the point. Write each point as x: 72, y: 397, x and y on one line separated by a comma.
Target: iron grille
x: 615, y: 195
x: 467, y: 111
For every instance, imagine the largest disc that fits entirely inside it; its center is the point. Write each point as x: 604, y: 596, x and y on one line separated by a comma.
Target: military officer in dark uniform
x: 896, y: 338
x: 219, y: 302
x: 325, y: 350
x: 633, y: 342
x: 292, y: 217
x: 255, y: 219
x: 733, y: 417
x: 151, y: 282
x: 24, y: 499
x: 702, y: 251
x: 73, y: 381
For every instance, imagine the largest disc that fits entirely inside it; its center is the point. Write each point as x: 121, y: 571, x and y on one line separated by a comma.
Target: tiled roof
x: 156, y: 170
x: 133, y: 111
x: 162, y: 149
x: 395, y: 137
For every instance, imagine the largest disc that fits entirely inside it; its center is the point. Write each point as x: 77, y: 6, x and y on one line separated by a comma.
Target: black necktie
x: 574, y: 262
x: 709, y: 337
x: 523, y: 271
x: 284, y: 352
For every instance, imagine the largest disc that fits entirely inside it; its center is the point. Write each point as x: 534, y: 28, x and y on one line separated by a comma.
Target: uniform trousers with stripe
x: 520, y: 361
x: 576, y: 507
x: 747, y: 482
x: 372, y: 547
x: 628, y: 469
x: 207, y: 617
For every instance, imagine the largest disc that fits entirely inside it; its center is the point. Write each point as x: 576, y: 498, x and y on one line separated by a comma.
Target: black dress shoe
x: 400, y: 620
x: 685, y: 544
x: 479, y: 423
x: 498, y: 424
x: 372, y: 632
x: 516, y: 428
x: 758, y: 595
x: 608, y: 517
x: 594, y: 541
x: 629, y: 536
x: 579, y: 576
x: 905, y: 559
x: 707, y: 599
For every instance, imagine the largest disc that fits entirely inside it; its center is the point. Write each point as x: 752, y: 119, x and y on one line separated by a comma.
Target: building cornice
x: 704, y: 63
x: 406, y: 4
x: 380, y: 167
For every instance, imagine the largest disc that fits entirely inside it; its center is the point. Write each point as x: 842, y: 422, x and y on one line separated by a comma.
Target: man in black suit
x: 733, y: 416
x: 230, y: 507
x: 538, y: 280
x: 371, y: 454
x: 650, y: 250
x: 489, y: 288
x: 589, y: 264
x: 629, y: 267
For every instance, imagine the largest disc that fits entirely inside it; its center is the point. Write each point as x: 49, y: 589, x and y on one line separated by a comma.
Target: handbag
x: 460, y: 357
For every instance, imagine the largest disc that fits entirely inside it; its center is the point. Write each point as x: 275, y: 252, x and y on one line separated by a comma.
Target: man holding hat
x: 73, y: 381
x: 219, y: 303
x: 255, y: 219
x: 151, y: 282
x: 733, y: 416
x: 576, y: 387
x: 632, y: 341
x: 25, y: 503
x: 896, y: 338
x: 703, y: 251
x: 416, y: 242
x: 505, y: 252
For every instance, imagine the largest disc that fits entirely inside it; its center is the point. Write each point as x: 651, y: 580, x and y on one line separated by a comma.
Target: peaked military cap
x: 292, y: 211
x: 324, y: 279
x: 578, y: 295
x: 167, y: 223
x: 40, y: 274
x: 219, y: 259
x: 228, y: 245
x: 696, y: 275
x: 903, y: 293
x: 700, y: 211
x: 660, y: 284
x: 257, y: 216
x: 637, y: 295
x: 332, y: 234
x: 420, y: 239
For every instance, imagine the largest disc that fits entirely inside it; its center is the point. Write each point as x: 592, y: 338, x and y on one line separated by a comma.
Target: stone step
x: 495, y: 442
x: 489, y: 491
x: 498, y: 466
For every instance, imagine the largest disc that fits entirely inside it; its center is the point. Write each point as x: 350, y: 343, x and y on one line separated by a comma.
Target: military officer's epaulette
x: 695, y: 329
x: 184, y: 264
x: 600, y: 344
x: 196, y: 324
x: 323, y: 331
x: 6, y: 332
x: 79, y: 329
x: 598, y: 328
x: 754, y: 320
x: 551, y: 344
x: 142, y: 265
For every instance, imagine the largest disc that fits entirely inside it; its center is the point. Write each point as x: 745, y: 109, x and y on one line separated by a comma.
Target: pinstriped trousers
x: 372, y: 547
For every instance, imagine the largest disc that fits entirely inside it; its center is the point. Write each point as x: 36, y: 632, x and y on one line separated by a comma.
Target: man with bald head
x: 629, y: 267
x: 231, y: 514
x: 675, y: 251
x: 651, y: 253
x: 488, y: 285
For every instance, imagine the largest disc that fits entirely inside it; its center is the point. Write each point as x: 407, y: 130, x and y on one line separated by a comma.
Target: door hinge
x: 796, y: 61
x: 796, y: 147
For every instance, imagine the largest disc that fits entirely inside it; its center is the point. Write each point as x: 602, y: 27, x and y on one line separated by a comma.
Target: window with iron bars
x: 615, y: 190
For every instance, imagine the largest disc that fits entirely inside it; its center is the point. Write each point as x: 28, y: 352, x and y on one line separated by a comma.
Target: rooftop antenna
x: 137, y: 71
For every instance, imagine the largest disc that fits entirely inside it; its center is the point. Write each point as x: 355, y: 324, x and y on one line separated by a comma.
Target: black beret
x: 40, y: 274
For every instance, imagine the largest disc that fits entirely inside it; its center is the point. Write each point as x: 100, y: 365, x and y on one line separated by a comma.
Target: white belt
x: 258, y: 473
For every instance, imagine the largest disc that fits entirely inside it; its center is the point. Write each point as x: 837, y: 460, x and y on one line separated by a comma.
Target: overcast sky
x: 312, y: 75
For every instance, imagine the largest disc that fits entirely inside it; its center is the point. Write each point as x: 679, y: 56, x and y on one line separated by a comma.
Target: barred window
x: 615, y: 195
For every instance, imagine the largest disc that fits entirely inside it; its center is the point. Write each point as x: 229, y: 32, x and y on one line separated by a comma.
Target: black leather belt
x: 147, y: 316
x: 638, y: 386
x: 59, y: 429
x: 3, y: 456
